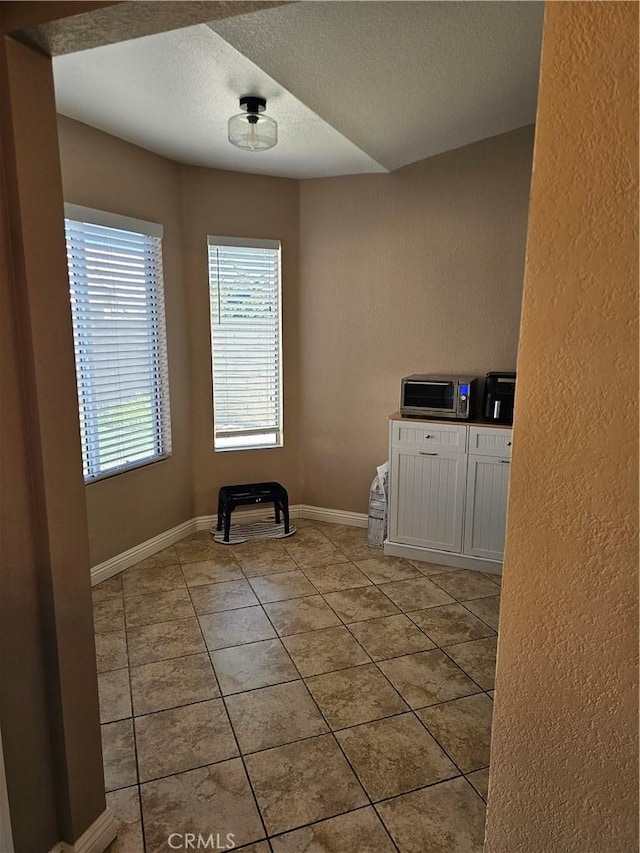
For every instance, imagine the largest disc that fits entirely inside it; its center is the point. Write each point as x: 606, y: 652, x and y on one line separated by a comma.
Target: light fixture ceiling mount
x: 253, y: 130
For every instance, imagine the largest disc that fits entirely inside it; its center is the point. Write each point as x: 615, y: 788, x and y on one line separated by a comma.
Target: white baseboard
x: 134, y: 555
x: 95, y: 839
x: 128, y: 558
x: 98, y: 836
x: 206, y: 522
x: 334, y: 516
x: 442, y: 558
x: 313, y: 513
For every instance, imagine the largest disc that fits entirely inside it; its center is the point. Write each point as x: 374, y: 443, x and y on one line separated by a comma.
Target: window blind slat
x: 244, y: 291
x: 117, y: 305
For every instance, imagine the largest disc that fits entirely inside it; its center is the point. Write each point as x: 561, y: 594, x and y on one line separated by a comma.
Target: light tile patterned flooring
x: 306, y: 690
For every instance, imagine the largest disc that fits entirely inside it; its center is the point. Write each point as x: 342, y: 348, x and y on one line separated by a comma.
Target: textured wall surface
x: 64, y: 27
x: 27, y: 744
x: 106, y: 173
x: 48, y: 615
x: 419, y: 271
x: 232, y: 204
x: 101, y: 171
x: 563, y: 763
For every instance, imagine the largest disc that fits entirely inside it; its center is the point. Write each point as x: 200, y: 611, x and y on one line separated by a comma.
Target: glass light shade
x: 253, y: 132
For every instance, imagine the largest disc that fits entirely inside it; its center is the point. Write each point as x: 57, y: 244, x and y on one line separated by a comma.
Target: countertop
x: 476, y: 421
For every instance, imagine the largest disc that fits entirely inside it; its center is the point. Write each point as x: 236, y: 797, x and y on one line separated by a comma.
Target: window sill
x: 134, y: 466
x: 249, y: 447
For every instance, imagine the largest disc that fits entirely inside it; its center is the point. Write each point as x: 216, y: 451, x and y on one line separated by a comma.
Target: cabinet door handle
x: 427, y: 436
x: 508, y: 444
x: 505, y: 462
x: 424, y: 453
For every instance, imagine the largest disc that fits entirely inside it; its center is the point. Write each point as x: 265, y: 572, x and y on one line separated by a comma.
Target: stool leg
x: 276, y: 506
x: 227, y: 523
x: 285, y: 509
x: 219, y: 524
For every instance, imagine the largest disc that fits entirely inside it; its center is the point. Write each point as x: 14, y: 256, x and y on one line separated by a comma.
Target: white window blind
x: 117, y: 305
x: 245, y: 300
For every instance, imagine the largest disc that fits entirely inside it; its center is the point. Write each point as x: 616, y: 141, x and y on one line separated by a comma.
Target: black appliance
x: 499, y: 397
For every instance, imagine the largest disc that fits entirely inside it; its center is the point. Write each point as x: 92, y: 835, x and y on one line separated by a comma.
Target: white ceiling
x: 354, y: 86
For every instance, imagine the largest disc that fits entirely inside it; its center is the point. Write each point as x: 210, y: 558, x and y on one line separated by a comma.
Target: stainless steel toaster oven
x: 434, y: 396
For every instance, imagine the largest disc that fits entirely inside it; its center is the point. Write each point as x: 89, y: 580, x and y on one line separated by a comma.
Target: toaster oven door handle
x: 426, y: 453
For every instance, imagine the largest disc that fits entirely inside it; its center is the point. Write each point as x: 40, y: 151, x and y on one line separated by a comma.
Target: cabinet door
x: 444, y: 438
x: 486, y: 512
x: 427, y: 498
x: 490, y: 441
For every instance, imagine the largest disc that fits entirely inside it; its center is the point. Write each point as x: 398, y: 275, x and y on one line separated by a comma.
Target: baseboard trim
x: 206, y: 522
x: 126, y: 559
x: 443, y: 558
x: 95, y: 839
x: 98, y: 836
x: 334, y: 516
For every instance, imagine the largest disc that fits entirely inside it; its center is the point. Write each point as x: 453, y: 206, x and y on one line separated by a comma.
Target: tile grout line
x: 280, y: 637
x: 330, y: 731
x: 133, y: 725
x: 323, y: 819
x: 347, y: 560
x: 413, y: 711
x: 469, y: 782
x: 237, y: 743
x: 464, y: 604
x: 302, y: 678
x: 342, y: 624
x: 423, y: 724
x: 480, y: 688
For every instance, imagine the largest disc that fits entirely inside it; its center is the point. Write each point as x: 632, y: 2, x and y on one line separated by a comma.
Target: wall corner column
x: 46, y: 556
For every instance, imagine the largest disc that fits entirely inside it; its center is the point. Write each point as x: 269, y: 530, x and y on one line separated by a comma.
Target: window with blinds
x: 245, y: 300
x: 117, y: 306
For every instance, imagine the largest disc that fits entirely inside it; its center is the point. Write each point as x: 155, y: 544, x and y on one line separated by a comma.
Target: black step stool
x: 230, y: 497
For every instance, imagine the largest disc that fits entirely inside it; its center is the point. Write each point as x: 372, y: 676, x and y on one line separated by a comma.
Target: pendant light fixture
x: 252, y: 130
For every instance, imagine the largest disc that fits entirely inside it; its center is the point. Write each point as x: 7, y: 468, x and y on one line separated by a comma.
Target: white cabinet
x: 450, y: 438
x: 486, y: 510
x: 490, y: 441
x: 427, y: 503
x: 448, y: 492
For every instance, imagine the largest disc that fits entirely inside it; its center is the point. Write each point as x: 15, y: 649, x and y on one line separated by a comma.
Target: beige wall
x: 419, y: 271
x: 103, y: 172
x: 371, y: 265
x: 23, y: 702
x: 564, y: 754
x: 106, y: 173
x: 48, y: 685
x: 564, y: 739
x: 237, y: 205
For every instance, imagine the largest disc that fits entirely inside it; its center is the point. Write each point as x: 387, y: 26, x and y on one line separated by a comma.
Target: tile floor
x: 308, y: 691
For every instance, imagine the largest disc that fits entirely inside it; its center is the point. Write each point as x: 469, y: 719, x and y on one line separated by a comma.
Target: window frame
x: 162, y: 437
x: 249, y: 243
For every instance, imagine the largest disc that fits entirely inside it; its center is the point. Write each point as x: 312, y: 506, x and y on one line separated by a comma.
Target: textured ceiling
x: 403, y: 81
x: 173, y: 94
x: 355, y: 86
x: 120, y: 21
